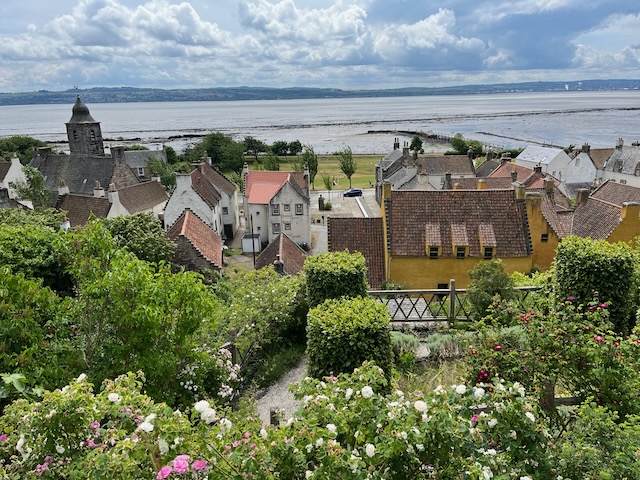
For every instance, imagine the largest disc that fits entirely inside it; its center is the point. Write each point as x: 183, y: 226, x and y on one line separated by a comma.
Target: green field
x: 329, y: 165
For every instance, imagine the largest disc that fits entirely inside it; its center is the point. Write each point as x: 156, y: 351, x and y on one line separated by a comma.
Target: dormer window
x: 488, y: 253
x: 433, y: 252
x: 637, y: 170
x: 461, y: 252
x: 617, y: 166
x: 432, y: 240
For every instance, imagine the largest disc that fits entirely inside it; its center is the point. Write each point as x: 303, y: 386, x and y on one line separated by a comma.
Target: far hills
x: 133, y: 94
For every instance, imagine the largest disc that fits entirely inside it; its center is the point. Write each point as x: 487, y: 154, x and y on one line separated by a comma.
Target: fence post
x: 452, y: 301
x: 233, y: 336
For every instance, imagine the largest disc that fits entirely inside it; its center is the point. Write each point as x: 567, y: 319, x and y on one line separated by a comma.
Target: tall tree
x: 280, y: 147
x: 253, y: 146
x: 416, y: 143
x: 271, y: 162
x: 164, y: 171
x: 348, y: 165
x: 310, y: 158
x: 295, y: 147
x: 19, y: 145
x: 33, y: 188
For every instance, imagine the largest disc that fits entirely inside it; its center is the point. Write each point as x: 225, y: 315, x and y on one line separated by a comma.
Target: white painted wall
x: 14, y: 174
x: 184, y: 197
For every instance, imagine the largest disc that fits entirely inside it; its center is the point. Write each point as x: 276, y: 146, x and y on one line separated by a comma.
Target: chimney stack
x: 514, y: 175
x: 620, y: 143
x: 396, y: 143
x: 482, y: 184
x: 549, y: 184
x: 582, y: 195
x: 113, y: 194
x: 98, y: 191
x: 62, y: 188
x: 537, y: 168
x: 278, y: 265
x: 405, y: 149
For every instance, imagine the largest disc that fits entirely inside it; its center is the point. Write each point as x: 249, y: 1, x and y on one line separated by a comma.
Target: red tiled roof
x: 262, y: 185
x: 363, y: 235
x: 80, y: 207
x: 207, y: 242
x: 599, y: 156
x: 143, y: 196
x: 291, y: 255
x: 410, y: 211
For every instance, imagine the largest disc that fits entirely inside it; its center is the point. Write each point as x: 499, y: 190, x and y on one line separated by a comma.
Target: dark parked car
x: 352, y: 192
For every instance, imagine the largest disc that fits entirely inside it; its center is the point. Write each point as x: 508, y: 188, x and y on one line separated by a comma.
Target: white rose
x: 81, y: 378
x: 163, y: 446
x: 331, y: 427
x: 370, y: 450
x: 308, y: 474
x: 348, y: 393
x: 146, y: 427
x: 461, y: 389
x: 530, y: 416
x: 263, y: 433
x: 420, y: 406
x: 201, y: 406
x: 478, y: 392
x: 60, y: 449
x: 492, y: 423
x: 367, y: 392
x: 208, y: 416
x: 114, y: 398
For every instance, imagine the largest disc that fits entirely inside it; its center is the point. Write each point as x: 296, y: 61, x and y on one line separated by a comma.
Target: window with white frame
x: 287, y: 225
x: 276, y: 228
x: 275, y: 209
x: 287, y: 207
x: 299, y: 209
x: 225, y: 210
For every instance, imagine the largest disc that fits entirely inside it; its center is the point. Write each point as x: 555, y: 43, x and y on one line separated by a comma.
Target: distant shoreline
x: 133, y: 94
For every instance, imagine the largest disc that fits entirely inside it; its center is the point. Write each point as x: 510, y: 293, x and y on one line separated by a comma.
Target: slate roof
x: 143, y: 196
x: 217, y: 179
x: 600, y: 214
x: 291, y: 255
x: 390, y: 158
x: 201, y: 237
x: 80, y: 172
x: 139, y: 158
x: 261, y: 186
x: 486, y: 167
x: 494, y: 183
x: 629, y: 158
x: 363, y: 235
x: 203, y: 187
x: 538, y: 154
x: 80, y: 208
x: 6, y: 202
x: 80, y: 113
x: 410, y: 212
x: 4, y: 169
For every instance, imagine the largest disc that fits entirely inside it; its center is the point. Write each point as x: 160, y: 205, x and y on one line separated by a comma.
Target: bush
x: 595, y: 269
x: 343, y: 333
x: 405, y: 347
x: 335, y: 275
x: 488, y: 279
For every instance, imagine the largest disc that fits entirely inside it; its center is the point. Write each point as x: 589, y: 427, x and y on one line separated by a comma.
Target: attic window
x: 488, y: 253
x: 460, y: 252
x: 637, y: 170
x: 617, y: 166
x: 433, y: 252
x: 544, y: 238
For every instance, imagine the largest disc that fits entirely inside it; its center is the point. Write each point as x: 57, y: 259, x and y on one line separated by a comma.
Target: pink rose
x: 164, y: 472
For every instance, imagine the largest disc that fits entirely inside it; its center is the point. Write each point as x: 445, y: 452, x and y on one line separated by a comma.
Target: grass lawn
x: 329, y: 165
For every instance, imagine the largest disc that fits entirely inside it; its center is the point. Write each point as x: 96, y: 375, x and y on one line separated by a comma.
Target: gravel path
x: 278, y: 395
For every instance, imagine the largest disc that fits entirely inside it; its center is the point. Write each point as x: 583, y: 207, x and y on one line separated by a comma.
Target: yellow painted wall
x: 543, y: 252
x: 427, y: 273
x: 629, y: 227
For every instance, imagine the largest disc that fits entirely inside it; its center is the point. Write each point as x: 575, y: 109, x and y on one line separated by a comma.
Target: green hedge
x: 343, y: 333
x: 595, y: 269
x: 335, y: 275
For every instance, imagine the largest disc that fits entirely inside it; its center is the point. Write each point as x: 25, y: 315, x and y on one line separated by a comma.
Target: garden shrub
x: 405, y: 348
x: 343, y: 333
x: 488, y: 282
x: 335, y: 275
x: 595, y: 269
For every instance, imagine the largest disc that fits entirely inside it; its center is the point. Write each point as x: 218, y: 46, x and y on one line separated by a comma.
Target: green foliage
x: 462, y: 146
x: 226, y: 154
x: 135, y: 146
x: 588, y: 269
x: 268, y: 310
x: 327, y: 181
x: 172, y: 156
x: 280, y: 147
x: 294, y: 147
x: 32, y: 188
x: 488, y: 280
x: 163, y: 170
x: 335, y: 275
x: 327, y: 206
x: 253, y: 146
x: 20, y: 145
x: 416, y: 143
x: 35, y: 337
x: 42, y: 217
x: 405, y: 347
x: 270, y: 161
x: 143, y: 235
x: 34, y: 250
x: 310, y: 158
x: 343, y: 333
x: 348, y: 164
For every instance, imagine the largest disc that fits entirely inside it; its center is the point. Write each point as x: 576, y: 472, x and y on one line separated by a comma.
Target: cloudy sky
x: 349, y: 44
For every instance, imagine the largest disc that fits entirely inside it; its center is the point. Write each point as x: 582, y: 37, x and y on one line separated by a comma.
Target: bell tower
x: 84, y: 133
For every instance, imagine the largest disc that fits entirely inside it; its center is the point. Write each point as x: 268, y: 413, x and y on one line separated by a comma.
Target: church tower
x: 85, y: 136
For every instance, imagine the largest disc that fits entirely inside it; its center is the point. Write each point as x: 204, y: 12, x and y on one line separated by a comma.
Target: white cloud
x: 494, y: 12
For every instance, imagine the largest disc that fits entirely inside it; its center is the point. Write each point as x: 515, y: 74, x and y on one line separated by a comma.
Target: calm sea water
x: 506, y: 120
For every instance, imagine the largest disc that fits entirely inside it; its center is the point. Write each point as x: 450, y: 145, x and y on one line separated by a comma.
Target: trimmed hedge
x: 343, y: 333
x: 335, y: 275
x: 595, y: 269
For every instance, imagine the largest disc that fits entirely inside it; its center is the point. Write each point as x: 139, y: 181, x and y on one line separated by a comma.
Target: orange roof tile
x: 207, y: 242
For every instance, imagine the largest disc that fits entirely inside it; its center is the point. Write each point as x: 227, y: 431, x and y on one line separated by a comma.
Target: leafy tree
x: 172, y: 156
x: 462, y: 146
x: 488, y: 280
x: 141, y: 234
x: 33, y: 188
x: 416, y: 143
x: 327, y: 181
x: 164, y: 170
x: 280, y: 147
x: 20, y: 145
x: 253, y: 146
x: 295, y: 147
x: 226, y: 154
x: 135, y: 146
x: 271, y: 162
x: 43, y: 217
x: 348, y: 164
x: 310, y: 158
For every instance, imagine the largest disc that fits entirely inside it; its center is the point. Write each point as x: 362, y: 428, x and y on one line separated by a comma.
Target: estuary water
x: 367, y: 125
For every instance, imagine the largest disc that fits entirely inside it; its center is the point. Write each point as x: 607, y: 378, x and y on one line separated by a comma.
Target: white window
x: 225, y: 210
x: 287, y: 207
x: 299, y: 209
x: 141, y: 171
x: 276, y: 228
x: 275, y: 210
x: 287, y: 226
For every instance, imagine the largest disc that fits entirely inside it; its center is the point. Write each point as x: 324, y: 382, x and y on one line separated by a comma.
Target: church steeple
x: 84, y: 133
